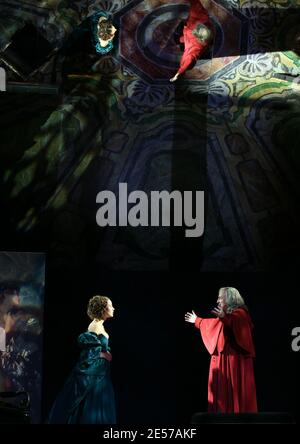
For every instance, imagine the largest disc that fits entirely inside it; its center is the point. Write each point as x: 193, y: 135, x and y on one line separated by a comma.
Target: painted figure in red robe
x: 228, y: 339
x: 196, y: 37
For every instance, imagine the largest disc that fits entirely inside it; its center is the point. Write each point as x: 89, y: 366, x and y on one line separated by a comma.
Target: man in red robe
x: 228, y: 339
x: 197, y: 35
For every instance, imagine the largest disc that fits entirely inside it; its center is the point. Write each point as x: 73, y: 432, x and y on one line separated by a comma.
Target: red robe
x: 193, y: 48
x: 231, y: 383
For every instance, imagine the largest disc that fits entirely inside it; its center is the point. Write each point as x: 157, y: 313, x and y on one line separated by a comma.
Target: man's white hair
x: 232, y: 298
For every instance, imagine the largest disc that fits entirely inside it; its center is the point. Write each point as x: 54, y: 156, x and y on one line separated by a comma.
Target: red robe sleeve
x: 240, y: 323
x: 190, y: 55
x: 210, y: 330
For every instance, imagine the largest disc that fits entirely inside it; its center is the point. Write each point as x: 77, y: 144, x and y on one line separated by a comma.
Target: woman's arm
x: 106, y: 355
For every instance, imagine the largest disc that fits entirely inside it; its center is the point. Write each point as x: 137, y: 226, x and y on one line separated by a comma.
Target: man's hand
x: 173, y: 79
x: 190, y: 317
x: 218, y: 312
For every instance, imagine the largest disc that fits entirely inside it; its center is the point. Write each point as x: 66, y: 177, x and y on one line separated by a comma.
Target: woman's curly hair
x: 97, y: 306
x: 105, y: 29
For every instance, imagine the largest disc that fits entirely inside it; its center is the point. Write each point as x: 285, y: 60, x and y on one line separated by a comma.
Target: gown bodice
x: 91, y: 346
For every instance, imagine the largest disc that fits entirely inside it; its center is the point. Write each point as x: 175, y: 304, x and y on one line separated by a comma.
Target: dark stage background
x: 160, y: 365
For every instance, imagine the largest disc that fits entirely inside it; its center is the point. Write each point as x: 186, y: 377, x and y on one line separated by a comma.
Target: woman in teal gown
x: 88, y: 396
x: 95, y: 34
x: 103, y: 32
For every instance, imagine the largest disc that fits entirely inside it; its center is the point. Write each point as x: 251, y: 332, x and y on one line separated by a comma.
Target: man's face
x: 221, y: 300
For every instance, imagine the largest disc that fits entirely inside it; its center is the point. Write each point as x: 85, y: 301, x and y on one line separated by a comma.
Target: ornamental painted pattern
x: 119, y: 119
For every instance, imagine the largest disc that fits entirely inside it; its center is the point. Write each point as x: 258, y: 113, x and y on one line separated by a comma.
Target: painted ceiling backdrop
x: 83, y: 123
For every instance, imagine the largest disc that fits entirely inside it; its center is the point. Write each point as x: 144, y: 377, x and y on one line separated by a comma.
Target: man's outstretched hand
x: 173, y: 79
x: 190, y: 317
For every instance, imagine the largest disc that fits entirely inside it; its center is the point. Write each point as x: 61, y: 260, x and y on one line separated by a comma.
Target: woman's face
x: 113, y: 31
x: 15, y: 300
x: 10, y: 300
x: 109, y: 312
